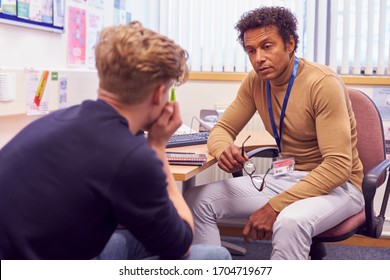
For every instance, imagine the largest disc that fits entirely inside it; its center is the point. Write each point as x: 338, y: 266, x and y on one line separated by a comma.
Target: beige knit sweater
x: 319, y: 128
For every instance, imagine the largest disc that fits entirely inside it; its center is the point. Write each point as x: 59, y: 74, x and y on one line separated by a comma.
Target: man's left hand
x: 260, y: 223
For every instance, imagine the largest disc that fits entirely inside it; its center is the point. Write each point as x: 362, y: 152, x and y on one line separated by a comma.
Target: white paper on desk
x: 7, y: 86
x: 184, y: 129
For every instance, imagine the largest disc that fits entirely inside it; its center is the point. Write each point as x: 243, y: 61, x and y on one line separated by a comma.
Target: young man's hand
x: 164, y: 127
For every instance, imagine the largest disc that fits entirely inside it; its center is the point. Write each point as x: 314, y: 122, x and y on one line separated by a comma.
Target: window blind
x: 350, y: 36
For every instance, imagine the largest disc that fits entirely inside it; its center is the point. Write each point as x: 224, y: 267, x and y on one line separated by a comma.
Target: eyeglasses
x: 250, y: 168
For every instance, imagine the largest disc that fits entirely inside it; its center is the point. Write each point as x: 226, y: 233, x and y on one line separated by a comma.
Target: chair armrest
x: 265, y: 152
x: 371, y: 181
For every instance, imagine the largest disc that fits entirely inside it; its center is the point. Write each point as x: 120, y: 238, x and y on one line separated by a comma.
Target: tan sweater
x: 319, y: 128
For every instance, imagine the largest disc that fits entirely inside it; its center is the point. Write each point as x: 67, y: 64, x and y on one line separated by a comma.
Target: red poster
x: 76, y: 36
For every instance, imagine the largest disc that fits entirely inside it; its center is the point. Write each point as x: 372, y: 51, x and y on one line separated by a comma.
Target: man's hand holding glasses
x: 232, y: 159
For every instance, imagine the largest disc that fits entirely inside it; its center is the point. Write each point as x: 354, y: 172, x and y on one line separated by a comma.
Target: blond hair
x: 132, y: 60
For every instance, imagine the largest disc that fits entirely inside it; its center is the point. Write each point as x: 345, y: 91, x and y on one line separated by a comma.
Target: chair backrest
x: 369, y: 126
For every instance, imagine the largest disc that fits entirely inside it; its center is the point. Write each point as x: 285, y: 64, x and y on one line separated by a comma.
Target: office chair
x: 371, y: 148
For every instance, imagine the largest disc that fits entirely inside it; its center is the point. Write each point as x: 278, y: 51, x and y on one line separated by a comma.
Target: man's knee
x: 291, y: 236
x: 209, y: 252
x: 291, y: 223
x: 201, y: 206
x: 117, y: 246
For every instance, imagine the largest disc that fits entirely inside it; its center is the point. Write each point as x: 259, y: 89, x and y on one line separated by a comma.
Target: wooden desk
x: 187, y: 174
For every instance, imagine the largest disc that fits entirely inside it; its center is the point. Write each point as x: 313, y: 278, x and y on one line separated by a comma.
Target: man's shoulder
x: 251, y: 78
x: 313, y: 72
x: 252, y: 75
x: 317, y: 69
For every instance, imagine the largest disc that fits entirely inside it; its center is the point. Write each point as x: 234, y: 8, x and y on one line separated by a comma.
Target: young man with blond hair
x: 71, y: 178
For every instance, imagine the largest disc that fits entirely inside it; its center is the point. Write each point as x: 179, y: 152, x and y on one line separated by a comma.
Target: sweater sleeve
x: 234, y: 119
x: 333, y: 128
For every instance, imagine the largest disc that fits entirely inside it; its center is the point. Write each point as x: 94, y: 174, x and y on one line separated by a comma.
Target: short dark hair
x: 280, y: 17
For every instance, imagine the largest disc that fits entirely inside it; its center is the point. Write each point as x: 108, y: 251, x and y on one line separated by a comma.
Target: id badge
x: 283, y: 165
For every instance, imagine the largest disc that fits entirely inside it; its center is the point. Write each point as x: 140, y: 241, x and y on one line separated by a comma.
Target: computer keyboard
x: 197, y: 138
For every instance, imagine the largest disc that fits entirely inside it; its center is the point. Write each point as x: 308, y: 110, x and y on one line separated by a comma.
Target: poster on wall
x: 96, y: 3
x: 381, y: 98
x: 23, y: 9
x: 76, y: 36
x: 7, y: 86
x: 122, y: 13
x: 47, y: 11
x: 38, y: 14
x: 63, y: 93
x: 94, y: 26
x: 58, y: 13
x: 8, y: 7
x: 37, y: 97
x: 35, y: 10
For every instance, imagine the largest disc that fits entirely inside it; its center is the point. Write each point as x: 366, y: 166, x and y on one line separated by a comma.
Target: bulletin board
x: 40, y: 14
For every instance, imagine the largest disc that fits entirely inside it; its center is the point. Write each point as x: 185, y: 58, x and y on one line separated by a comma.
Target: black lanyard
x: 278, y: 136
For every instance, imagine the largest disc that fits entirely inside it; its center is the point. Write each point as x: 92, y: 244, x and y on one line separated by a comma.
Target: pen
x: 173, y: 95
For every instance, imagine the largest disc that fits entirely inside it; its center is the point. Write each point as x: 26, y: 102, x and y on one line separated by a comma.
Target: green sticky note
x: 54, y: 76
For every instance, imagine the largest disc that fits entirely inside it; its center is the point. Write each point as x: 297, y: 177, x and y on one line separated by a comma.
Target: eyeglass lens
x: 249, y: 167
x: 258, y: 182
